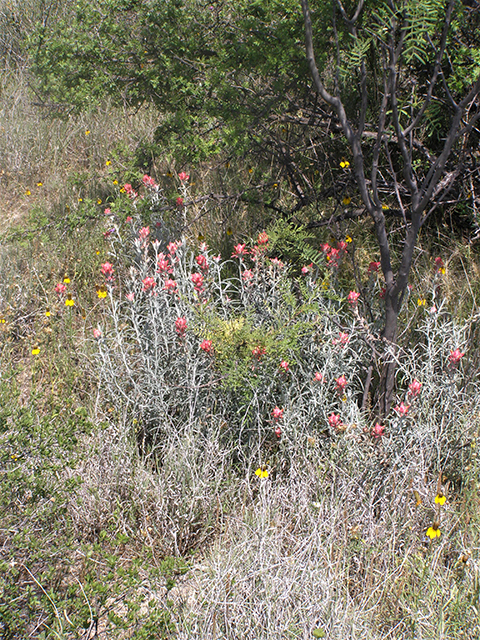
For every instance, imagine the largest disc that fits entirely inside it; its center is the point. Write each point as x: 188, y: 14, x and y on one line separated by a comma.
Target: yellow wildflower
x: 69, y: 302
x: 421, y: 302
x: 115, y: 182
x: 344, y: 164
x: 108, y: 163
x: 99, y: 201
x: 47, y: 313
x: 66, y: 280
x: 87, y: 132
x: 35, y: 351
x: 440, y: 498
x: 39, y: 184
x: 434, y: 531
x: 348, y: 239
x: 346, y: 200
x: 229, y: 231
x: 261, y: 472
x: 28, y: 192
x: 385, y: 207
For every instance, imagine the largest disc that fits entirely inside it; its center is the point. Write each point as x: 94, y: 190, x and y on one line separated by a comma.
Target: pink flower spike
x: 128, y: 219
x: 182, y: 176
x: 342, y: 245
x: 319, y: 377
x: 353, y: 297
x: 341, y: 383
x: 277, y: 413
x: 181, y: 326
x: 414, y: 388
x: 107, y: 211
x: 97, y: 334
x: 373, y: 267
x: 247, y: 275
x: 342, y: 340
x: 326, y: 248
x: 202, y: 262
x: 149, y: 182
x: 402, y: 409
x: 284, y: 365
x: 170, y: 286
x: 334, y: 421
x: 130, y: 296
x: 60, y: 288
x: 239, y: 250
x: 172, y: 247
x: 278, y: 432
x: 262, y: 238
x: 144, y: 233
x: 179, y: 201
x: 455, y: 357
x: 439, y: 263
x: 107, y: 270
x: 258, y: 352
x: 148, y: 283
x: 206, y: 346
x: 378, y: 430
x: 197, y: 280
x: 307, y: 268
x: 163, y: 265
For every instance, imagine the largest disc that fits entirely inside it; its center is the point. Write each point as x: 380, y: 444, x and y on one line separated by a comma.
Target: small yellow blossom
x: 440, y: 498
x: 28, y: 192
x: 385, y: 207
x: 69, y: 302
x: 348, y: 239
x: 344, y: 164
x: 87, y: 132
x: 97, y: 252
x: 108, y: 163
x: 47, y: 313
x: 169, y: 174
x: 99, y: 201
x: 122, y: 190
x: 346, y: 200
x: 261, y: 472
x: 421, y: 302
x: 101, y: 292
x: 80, y: 199
x: 35, y: 351
x: 434, y: 531
x: 442, y: 270
x: 229, y: 231
x: 115, y: 182
x: 250, y: 170
x: 39, y: 184
x: 66, y: 280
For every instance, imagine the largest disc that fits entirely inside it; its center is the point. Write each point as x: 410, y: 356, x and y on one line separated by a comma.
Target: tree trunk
x: 386, y: 386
